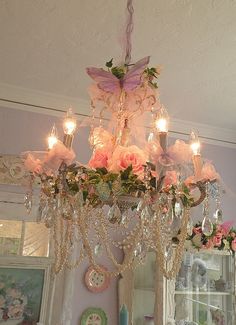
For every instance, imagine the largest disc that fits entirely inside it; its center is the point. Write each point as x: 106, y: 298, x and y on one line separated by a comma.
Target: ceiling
x: 46, y: 45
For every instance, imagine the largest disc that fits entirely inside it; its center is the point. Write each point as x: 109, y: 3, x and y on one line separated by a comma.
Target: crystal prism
x: 218, y: 216
x: 146, y: 213
x: 207, y: 226
x: 28, y: 202
x: 98, y: 250
x: 114, y: 214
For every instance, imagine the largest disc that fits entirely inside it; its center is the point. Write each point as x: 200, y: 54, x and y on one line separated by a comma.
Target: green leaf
x: 109, y: 64
x: 118, y: 72
x: 102, y: 171
x: 124, y: 175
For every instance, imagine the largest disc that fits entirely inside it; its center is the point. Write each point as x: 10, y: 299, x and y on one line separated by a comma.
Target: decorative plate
x: 94, y: 316
x: 97, y: 281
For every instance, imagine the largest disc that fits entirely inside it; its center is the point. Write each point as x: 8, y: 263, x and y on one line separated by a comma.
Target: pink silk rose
x: 217, y: 240
x: 197, y: 230
x: 99, y: 159
x: 233, y: 245
x: 123, y: 157
x: 209, y: 244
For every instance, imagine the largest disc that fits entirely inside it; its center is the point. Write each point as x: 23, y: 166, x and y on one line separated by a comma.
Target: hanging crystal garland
x: 127, y: 198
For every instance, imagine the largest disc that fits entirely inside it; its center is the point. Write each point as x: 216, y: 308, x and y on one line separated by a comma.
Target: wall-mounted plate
x: 97, y: 281
x: 94, y: 316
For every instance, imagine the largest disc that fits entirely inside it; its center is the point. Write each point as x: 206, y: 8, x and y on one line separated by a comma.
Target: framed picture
x: 24, y: 290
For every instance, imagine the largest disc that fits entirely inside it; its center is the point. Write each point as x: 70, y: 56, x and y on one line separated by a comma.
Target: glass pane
x: 205, y: 289
x: 36, y: 240
x: 10, y: 237
x: 144, y: 294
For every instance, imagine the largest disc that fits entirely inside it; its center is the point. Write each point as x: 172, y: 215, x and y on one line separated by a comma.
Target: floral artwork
x: 223, y: 237
x: 20, y: 295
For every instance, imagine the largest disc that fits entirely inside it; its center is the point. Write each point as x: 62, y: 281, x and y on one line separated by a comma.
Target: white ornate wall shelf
x: 12, y: 170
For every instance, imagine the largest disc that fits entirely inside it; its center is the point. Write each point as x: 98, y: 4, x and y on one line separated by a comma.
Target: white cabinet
x: 203, y: 293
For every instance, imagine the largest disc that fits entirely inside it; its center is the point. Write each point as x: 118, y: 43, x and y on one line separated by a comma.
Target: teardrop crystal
x: 168, y: 252
x: 98, y: 250
x: 207, y: 226
x: 190, y: 228
x: 218, y: 216
x: 140, y: 206
x: 28, y: 202
x: 178, y: 209
x: 114, y: 214
x: 146, y: 213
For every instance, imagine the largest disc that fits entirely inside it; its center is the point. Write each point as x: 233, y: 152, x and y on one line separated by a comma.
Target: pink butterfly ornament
x: 107, y: 82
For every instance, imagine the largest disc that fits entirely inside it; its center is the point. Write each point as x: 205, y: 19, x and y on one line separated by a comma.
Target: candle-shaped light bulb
x: 195, y: 143
x: 162, y: 120
x: 150, y: 137
x: 197, y: 160
x: 52, y: 138
x: 162, y: 123
x: 69, y: 124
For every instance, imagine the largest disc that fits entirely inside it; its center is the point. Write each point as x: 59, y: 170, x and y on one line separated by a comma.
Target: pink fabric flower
x: 217, y: 239
x: 209, y: 172
x: 180, y: 152
x: 123, y: 157
x: 197, y: 230
x: 99, y: 159
x: 225, y: 227
x: 33, y: 164
x: 233, y: 245
x: 101, y: 138
x: 170, y: 178
x: 57, y: 155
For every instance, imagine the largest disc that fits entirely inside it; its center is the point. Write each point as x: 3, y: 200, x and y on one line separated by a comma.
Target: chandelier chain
x: 129, y: 30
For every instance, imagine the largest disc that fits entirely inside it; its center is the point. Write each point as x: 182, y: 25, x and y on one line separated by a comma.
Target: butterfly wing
x: 132, y: 79
x: 104, y: 79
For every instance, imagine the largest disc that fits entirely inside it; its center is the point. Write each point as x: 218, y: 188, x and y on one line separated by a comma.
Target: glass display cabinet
x: 205, y: 289
x: 202, y: 294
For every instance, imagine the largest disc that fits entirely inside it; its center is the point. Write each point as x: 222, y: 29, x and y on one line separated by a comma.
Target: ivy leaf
x: 102, y: 171
x: 118, y: 72
x: 109, y: 64
x: 124, y: 175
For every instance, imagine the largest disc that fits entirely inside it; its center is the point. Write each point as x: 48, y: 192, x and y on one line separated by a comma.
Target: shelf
x: 210, y: 293
x: 144, y: 289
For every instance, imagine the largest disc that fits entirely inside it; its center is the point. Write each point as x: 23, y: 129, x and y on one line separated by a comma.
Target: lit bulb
x: 52, y: 138
x: 69, y: 124
x: 150, y: 137
x: 195, y: 143
x: 162, y: 120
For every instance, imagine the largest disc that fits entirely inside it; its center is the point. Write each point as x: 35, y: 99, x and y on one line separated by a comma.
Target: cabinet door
x: 141, y: 290
x: 205, y: 289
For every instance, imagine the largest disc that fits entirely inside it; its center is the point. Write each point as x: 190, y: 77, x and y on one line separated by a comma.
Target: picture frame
x: 26, y: 287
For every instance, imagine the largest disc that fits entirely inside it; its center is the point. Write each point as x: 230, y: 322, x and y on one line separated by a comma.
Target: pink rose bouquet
x: 223, y: 237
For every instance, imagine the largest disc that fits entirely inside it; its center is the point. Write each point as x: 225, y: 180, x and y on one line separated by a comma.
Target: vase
x: 148, y: 320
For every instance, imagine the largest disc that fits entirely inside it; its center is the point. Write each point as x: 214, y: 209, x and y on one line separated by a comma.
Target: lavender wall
x: 21, y: 131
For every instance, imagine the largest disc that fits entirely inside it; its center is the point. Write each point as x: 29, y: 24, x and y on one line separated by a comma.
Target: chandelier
x: 134, y: 194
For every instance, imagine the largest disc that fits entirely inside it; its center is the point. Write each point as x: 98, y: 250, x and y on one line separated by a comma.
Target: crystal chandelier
x: 134, y: 195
